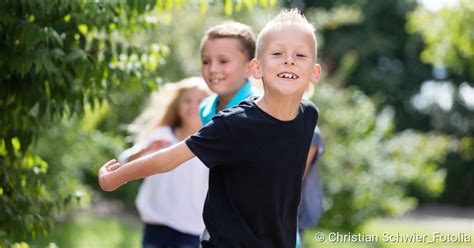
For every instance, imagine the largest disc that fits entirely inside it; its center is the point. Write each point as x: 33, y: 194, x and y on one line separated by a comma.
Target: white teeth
x: 287, y: 75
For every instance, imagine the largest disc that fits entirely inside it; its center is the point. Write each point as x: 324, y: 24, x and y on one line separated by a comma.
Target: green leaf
x: 26, y: 67
x: 31, y: 18
x: 82, y: 28
x: 48, y: 65
x: 67, y: 18
x: 38, y: 65
x: 76, y: 54
x: 33, y: 36
x: 57, y: 53
x: 54, y: 37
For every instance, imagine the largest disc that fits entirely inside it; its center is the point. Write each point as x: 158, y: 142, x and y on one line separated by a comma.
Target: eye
x: 224, y: 61
x: 205, y: 62
x: 301, y: 55
x: 276, y: 53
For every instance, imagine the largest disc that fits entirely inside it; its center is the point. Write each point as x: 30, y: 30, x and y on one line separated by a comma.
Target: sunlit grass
x: 88, y: 230
x: 391, y: 234
x: 93, y: 231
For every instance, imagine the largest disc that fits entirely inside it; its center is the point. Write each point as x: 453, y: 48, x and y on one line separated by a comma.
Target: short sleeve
x: 213, y: 144
x: 318, y: 140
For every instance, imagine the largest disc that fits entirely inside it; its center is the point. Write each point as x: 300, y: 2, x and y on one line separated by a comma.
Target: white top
x: 175, y: 198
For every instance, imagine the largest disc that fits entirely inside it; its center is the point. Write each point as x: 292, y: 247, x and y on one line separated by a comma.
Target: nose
x: 213, y: 67
x: 289, y: 60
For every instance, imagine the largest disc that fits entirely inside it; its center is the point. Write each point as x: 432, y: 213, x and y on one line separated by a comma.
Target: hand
x: 105, y: 182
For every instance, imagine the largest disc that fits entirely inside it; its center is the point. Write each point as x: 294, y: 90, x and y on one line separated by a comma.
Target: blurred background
x: 396, y: 102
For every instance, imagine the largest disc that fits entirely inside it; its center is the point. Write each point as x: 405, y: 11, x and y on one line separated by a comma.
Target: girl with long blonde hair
x: 171, y: 204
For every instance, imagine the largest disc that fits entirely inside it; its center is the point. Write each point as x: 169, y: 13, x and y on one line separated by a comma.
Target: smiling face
x: 225, y: 66
x: 286, y: 61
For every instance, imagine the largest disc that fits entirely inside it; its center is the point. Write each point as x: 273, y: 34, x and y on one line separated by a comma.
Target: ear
x: 315, y: 75
x: 256, y: 69
x: 248, y: 71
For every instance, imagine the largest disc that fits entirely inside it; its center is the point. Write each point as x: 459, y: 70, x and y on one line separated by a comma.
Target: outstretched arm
x: 112, y: 175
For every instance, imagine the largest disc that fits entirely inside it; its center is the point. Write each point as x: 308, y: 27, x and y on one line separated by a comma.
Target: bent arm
x: 313, y: 151
x: 158, y: 162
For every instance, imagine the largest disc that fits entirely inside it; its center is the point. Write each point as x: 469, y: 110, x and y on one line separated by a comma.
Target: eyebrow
x: 281, y: 45
x: 219, y: 56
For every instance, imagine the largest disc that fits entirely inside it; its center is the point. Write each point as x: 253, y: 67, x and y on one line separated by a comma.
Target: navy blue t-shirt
x: 256, y: 166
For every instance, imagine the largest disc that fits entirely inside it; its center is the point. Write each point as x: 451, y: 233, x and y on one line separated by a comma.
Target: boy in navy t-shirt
x: 256, y: 151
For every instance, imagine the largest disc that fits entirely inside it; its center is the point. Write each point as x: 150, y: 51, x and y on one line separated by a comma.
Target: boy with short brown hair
x: 226, y: 52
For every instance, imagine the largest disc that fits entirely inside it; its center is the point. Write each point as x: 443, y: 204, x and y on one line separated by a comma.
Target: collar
x: 208, y: 107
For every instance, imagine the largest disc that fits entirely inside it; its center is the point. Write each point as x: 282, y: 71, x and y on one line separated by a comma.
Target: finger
x: 113, y: 167
x: 103, y: 168
x: 111, y: 162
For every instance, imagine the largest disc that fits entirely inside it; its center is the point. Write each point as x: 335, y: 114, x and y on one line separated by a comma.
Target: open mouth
x: 216, y: 80
x: 287, y: 75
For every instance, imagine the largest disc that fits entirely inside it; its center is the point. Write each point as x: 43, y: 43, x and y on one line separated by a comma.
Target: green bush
x: 367, y: 168
x: 57, y: 59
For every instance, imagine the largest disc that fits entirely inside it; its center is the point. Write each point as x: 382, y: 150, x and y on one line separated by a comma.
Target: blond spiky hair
x: 283, y: 20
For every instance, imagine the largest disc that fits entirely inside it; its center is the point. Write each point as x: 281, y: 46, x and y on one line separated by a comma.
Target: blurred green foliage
x: 367, y: 167
x: 448, y: 37
x: 386, y: 45
x: 58, y: 58
x: 449, y: 48
x: 386, y: 59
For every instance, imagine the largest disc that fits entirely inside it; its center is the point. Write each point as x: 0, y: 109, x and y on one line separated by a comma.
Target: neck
x: 283, y: 108
x: 223, y: 101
